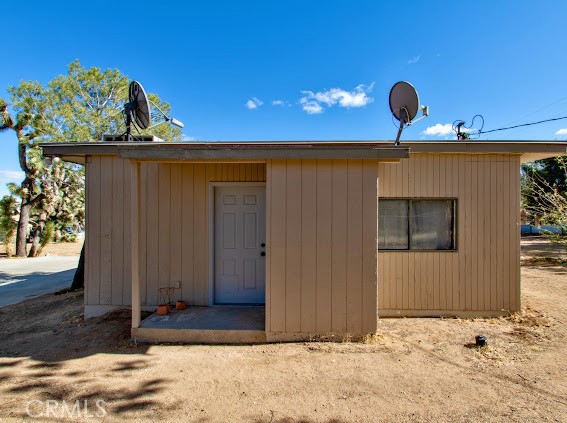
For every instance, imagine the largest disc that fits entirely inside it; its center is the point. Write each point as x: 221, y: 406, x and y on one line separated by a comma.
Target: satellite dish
x: 139, y: 105
x: 404, y: 101
x: 139, y: 111
x: 404, y: 105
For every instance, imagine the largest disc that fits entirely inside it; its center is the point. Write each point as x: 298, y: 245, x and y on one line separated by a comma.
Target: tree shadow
x: 10, y: 363
x: 5, y: 377
x: 119, y: 401
x: 46, y: 365
x: 129, y: 365
x: 40, y: 335
x: 27, y: 387
x: 55, y: 384
x: 134, y: 406
x: 51, y: 329
x: 273, y: 419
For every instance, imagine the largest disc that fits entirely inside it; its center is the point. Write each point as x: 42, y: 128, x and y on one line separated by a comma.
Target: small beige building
x: 324, y: 237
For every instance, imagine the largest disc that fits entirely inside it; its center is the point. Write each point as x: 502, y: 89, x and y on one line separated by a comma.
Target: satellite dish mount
x: 138, y: 111
x: 404, y: 104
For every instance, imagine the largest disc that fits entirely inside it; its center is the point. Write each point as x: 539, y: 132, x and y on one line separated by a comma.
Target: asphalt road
x: 25, y: 278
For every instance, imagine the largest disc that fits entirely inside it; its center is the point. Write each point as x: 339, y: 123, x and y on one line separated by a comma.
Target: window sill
x: 418, y: 251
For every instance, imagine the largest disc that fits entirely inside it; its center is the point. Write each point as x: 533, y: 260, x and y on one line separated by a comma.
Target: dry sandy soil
x: 415, y: 370
x: 55, y: 249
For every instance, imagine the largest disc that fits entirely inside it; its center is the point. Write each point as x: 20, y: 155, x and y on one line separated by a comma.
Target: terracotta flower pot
x: 180, y: 305
x: 162, y: 309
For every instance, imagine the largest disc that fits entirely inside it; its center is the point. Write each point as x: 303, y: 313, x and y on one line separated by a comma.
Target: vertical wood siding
x: 484, y: 273
x: 321, y: 227
x: 174, y: 219
x: 322, y: 246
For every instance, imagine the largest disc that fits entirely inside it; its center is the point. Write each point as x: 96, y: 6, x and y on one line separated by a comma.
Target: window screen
x: 393, y: 225
x: 432, y: 225
x: 416, y: 224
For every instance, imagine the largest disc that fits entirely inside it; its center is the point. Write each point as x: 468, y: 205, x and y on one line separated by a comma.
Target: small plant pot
x: 180, y: 305
x: 163, y: 309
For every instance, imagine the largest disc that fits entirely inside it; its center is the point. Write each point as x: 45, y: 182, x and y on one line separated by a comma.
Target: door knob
x: 263, y: 244
x: 263, y: 253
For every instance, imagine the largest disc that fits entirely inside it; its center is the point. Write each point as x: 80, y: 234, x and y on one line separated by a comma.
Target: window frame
x: 454, y: 225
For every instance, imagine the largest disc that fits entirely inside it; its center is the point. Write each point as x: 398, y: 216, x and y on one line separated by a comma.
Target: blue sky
x: 306, y: 70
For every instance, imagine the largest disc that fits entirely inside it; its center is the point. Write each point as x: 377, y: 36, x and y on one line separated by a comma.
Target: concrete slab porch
x: 212, y: 325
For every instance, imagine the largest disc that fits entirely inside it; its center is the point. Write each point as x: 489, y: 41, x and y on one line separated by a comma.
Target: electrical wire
x: 522, y: 125
x: 538, y: 110
x: 467, y: 134
x: 393, y: 117
x: 397, y: 125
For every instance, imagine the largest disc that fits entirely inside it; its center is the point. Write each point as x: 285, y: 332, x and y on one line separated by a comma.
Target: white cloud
x: 414, y: 60
x: 313, y: 102
x: 439, y: 130
x: 253, y: 103
x: 311, y: 107
x: 562, y: 132
x: 11, y: 176
x: 280, y: 103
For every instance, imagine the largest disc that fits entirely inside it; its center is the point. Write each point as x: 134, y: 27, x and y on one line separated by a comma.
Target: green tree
x: 63, y: 203
x: 70, y: 205
x: 89, y: 103
x: 30, y: 123
x: 8, y: 210
x: 544, y: 190
x: 79, y: 106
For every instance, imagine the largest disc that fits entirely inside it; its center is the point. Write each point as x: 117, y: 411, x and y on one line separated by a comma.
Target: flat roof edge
x: 211, y: 151
x: 519, y: 147
x: 299, y: 149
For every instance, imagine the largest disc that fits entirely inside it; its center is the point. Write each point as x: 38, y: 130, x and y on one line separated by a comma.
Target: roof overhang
x: 529, y: 150
x: 227, y: 151
x: 263, y: 150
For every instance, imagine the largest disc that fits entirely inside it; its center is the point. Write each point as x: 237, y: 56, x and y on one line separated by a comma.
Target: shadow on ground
x: 50, y: 381
x: 51, y: 328
x: 41, y: 334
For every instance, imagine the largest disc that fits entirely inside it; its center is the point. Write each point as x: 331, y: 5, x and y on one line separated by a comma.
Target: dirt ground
x: 415, y: 370
x: 54, y: 249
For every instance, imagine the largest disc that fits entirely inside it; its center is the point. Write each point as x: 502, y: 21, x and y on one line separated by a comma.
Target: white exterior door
x: 240, y: 238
